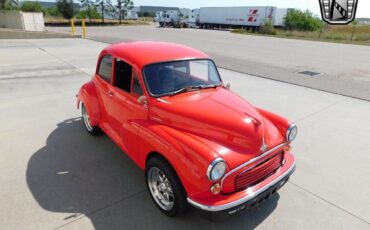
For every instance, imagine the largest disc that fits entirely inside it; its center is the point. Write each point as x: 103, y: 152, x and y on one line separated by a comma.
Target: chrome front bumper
x: 251, y: 199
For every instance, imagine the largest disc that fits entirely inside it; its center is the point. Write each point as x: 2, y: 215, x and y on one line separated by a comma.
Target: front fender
x: 281, y: 123
x: 188, y: 156
x: 89, y: 97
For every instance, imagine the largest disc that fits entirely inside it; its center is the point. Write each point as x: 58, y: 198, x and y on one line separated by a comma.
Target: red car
x: 167, y: 108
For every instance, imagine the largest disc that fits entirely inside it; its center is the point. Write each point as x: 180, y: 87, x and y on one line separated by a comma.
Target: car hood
x: 221, y: 119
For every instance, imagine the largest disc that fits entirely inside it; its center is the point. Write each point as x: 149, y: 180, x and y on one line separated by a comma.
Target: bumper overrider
x: 250, y: 197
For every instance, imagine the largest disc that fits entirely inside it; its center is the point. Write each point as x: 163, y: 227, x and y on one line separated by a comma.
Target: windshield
x: 169, y: 77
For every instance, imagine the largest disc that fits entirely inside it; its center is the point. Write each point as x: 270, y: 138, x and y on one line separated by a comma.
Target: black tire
x: 92, y: 130
x: 180, y: 203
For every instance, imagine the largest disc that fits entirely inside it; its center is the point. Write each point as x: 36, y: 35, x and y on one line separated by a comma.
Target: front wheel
x: 165, y: 187
x: 93, y: 130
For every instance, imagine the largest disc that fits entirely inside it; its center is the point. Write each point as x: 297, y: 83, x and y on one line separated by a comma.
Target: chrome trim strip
x: 156, y: 119
x: 251, y: 161
x: 163, y: 101
x: 244, y: 199
x: 210, y: 167
x: 288, y: 132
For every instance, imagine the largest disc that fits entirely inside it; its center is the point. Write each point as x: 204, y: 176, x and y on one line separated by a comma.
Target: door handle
x: 110, y: 93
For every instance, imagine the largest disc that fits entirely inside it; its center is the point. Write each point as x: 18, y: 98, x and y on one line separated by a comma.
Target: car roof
x: 143, y: 53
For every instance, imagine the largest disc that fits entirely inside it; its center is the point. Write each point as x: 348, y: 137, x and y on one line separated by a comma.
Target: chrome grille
x: 259, y: 172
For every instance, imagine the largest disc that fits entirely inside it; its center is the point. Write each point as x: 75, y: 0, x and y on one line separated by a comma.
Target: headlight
x: 291, y: 133
x: 216, y: 169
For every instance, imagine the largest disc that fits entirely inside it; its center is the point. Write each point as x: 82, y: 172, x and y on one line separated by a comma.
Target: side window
x: 123, y: 75
x: 126, y: 78
x: 136, y: 88
x: 105, y: 68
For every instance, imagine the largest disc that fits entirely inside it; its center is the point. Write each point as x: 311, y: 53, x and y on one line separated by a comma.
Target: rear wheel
x: 93, y: 130
x: 165, y: 187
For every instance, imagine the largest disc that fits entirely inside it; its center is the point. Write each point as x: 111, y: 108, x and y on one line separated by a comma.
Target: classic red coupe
x: 167, y: 108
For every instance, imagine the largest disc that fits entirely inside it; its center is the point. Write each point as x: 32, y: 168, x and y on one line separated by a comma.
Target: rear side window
x: 105, y: 68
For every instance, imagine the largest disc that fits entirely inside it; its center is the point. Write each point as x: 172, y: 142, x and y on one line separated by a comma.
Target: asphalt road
x: 53, y: 175
x: 344, y: 69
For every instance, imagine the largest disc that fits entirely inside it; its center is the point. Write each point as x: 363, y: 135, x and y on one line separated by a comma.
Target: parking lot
x: 54, y: 175
x: 342, y: 69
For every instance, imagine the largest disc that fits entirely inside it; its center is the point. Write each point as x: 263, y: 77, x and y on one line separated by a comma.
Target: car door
x: 124, y: 109
x: 103, y: 80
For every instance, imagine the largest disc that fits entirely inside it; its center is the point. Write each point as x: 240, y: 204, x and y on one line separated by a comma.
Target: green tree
x: 8, y: 4
x: 66, y: 8
x: 123, y: 6
x: 53, y: 11
x: 105, y: 7
x: 3, y: 3
x: 28, y: 6
x: 268, y: 28
x: 302, y: 20
x: 89, y: 9
x: 90, y: 14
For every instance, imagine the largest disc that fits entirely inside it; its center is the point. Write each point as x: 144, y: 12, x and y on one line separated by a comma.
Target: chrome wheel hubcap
x: 160, y: 188
x: 86, y: 118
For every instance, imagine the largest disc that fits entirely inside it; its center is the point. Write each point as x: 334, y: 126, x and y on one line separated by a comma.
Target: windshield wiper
x: 206, y: 86
x: 190, y: 88
x: 181, y: 90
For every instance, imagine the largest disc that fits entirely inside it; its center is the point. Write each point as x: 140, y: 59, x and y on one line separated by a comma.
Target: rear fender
x: 88, y: 96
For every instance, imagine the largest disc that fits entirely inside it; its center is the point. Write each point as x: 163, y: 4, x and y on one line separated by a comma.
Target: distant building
x: 151, y: 10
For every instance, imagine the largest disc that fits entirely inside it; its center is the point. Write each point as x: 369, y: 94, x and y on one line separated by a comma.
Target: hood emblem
x: 255, y: 121
x: 263, y: 146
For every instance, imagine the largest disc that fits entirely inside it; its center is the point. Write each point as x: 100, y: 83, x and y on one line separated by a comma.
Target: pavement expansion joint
x: 102, y: 208
x: 322, y: 109
x: 329, y: 202
x: 61, y: 59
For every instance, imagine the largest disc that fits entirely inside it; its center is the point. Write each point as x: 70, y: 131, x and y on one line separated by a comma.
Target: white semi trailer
x: 281, y: 13
x: 248, y: 17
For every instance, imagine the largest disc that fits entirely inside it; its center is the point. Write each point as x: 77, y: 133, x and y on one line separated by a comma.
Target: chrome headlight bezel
x: 218, y: 162
x: 292, y: 130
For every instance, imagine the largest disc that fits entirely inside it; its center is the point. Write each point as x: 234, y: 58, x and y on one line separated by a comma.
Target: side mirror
x: 142, y: 100
x: 227, y: 86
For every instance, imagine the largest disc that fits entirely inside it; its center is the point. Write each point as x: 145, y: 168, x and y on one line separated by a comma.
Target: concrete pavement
x: 6, y: 33
x: 53, y: 175
x: 344, y: 69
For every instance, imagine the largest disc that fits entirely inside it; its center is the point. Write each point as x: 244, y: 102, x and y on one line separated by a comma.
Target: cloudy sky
x: 313, y: 5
